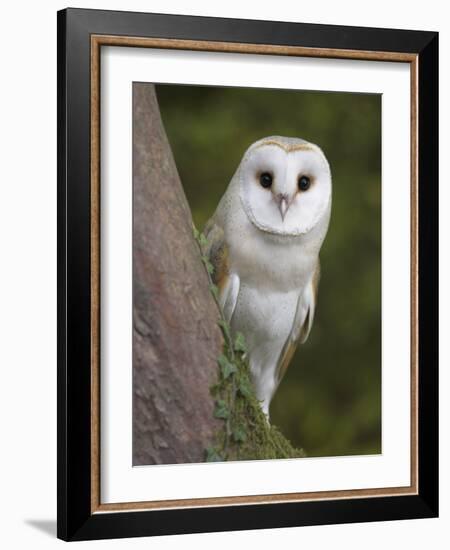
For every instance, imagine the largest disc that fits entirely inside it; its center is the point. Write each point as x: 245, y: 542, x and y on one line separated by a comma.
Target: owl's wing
x: 303, y: 320
x: 227, y: 282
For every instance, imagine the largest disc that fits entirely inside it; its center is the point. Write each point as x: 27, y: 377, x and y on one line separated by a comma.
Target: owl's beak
x: 283, y: 205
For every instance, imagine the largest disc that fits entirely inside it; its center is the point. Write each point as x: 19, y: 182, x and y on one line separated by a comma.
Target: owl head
x: 285, y: 185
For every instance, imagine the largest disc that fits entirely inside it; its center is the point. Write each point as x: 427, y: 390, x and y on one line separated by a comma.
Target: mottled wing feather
x: 226, y: 281
x: 310, y: 299
x: 303, y: 320
x: 217, y: 252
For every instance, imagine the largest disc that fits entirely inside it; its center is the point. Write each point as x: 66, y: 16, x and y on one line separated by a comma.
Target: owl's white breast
x: 268, y: 262
x: 265, y: 317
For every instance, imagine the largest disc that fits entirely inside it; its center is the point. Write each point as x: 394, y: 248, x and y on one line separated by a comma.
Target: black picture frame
x: 76, y: 521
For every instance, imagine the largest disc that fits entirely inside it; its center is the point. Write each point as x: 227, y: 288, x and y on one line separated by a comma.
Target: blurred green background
x: 329, y: 402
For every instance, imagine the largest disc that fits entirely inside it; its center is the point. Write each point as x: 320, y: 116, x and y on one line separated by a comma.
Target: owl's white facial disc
x: 285, y: 187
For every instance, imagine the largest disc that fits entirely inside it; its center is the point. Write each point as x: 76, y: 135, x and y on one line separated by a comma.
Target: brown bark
x: 176, y: 339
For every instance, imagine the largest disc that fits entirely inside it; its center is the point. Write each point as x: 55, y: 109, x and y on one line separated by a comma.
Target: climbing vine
x: 245, y: 433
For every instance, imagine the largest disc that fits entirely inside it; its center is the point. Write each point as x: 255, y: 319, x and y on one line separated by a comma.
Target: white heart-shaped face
x: 285, y: 185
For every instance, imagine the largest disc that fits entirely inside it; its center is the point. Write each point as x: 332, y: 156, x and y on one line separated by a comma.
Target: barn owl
x: 264, y: 241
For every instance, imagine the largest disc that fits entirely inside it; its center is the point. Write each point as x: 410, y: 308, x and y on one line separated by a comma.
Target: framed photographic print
x: 247, y: 257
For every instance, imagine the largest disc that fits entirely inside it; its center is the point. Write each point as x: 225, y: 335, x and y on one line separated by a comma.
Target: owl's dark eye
x: 303, y: 183
x: 265, y: 179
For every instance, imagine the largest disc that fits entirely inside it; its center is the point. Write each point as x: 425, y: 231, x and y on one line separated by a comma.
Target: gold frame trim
x: 263, y: 49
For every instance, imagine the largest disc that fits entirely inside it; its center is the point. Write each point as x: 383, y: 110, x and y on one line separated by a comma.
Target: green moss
x: 245, y: 433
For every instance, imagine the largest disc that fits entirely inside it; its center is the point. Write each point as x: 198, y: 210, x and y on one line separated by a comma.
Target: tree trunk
x: 176, y: 339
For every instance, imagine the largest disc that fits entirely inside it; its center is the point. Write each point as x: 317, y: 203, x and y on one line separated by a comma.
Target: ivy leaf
x: 239, y: 343
x: 209, y: 266
x: 239, y: 434
x: 196, y: 233
x: 202, y: 240
x: 225, y: 328
x: 244, y: 388
x: 212, y: 455
x: 214, y: 389
x: 226, y: 367
x: 214, y: 291
x: 221, y: 410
